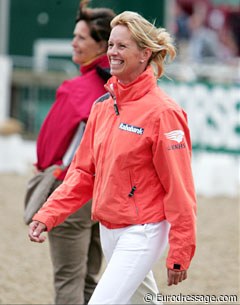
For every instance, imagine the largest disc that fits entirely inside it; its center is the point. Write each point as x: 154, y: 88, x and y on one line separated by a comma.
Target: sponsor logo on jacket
x: 176, y: 136
x: 131, y: 128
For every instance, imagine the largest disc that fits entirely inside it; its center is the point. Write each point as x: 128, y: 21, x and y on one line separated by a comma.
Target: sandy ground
x: 25, y: 268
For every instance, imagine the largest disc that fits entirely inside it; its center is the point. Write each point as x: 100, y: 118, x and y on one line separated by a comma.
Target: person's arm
x: 172, y: 160
x: 35, y: 230
x: 74, y: 192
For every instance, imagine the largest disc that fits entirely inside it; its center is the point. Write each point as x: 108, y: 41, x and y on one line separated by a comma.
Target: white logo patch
x: 131, y: 128
x: 175, y: 135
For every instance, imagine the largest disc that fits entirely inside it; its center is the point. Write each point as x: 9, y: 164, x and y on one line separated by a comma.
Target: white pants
x: 130, y: 253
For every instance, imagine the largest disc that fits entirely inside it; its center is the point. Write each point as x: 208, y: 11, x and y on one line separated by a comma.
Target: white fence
x: 5, y: 80
x: 213, y: 113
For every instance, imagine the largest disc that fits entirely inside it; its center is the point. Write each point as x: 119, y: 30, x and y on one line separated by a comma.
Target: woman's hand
x: 175, y: 277
x: 35, y: 230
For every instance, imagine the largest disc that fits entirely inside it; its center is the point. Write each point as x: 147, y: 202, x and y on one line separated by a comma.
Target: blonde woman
x: 138, y: 169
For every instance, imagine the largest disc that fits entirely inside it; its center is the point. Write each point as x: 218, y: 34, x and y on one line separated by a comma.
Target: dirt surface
x: 25, y: 268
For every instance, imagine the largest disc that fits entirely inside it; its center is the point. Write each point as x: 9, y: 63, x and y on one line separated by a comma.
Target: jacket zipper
x: 115, y: 106
x: 131, y: 194
x: 105, y: 145
x: 132, y: 191
x: 110, y: 89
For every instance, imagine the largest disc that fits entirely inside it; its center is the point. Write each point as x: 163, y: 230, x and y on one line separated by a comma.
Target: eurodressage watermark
x: 199, y: 298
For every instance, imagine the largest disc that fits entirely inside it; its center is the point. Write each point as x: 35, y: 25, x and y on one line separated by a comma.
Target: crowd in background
x: 204, y: 31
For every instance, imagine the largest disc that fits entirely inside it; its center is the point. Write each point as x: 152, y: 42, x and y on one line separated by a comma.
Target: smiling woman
x: 132, y: 48
x: 143, y: 193
x: 125, y: 55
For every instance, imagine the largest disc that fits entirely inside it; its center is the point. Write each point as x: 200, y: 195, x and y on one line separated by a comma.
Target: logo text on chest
x: 131, y: 128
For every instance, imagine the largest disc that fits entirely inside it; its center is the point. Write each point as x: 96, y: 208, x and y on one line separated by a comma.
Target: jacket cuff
x: 177, y: 266
x: 41, y: 218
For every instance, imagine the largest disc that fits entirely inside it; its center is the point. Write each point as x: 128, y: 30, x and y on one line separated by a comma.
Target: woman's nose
x: 112, y: 50
x: 74, y: 41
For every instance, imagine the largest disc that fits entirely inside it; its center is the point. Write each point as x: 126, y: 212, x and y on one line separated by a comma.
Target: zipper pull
x: 116, y: 107
x: 132, y: 191
x: 110, y: 89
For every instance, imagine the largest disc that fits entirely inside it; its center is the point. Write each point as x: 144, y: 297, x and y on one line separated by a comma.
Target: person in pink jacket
x: 138, y: 171
x: 75, y: 248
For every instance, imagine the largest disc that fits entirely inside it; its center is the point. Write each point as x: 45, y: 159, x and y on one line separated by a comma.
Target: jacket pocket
x: 132, y: 193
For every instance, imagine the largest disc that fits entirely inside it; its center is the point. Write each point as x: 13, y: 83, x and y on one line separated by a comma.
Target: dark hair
x: 98, y: 20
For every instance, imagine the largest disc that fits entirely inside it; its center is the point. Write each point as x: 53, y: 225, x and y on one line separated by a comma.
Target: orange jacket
x: 135, y: 165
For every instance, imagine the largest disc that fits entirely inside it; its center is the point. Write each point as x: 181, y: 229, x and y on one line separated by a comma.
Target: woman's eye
x: 119, y: 46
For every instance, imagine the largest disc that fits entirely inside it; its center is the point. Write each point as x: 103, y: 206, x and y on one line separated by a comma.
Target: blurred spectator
x: 204, y: 42
x: 204, y: 31
x: 182, y: 11
x: 230, y: 34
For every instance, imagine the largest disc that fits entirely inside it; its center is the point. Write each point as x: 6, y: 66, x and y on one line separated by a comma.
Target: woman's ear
x: 102, y: 47
x: 147, y: 53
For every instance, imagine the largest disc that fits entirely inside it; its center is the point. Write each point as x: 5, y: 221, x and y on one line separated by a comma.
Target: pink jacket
x: 74, y: 99
x: 135, y: 165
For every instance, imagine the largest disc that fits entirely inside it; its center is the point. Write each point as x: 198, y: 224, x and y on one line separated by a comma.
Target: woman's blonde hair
x: 146, y: 35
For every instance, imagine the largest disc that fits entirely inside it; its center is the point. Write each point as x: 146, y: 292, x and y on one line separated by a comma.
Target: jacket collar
x: 134, y: 90
x: 101, y: 61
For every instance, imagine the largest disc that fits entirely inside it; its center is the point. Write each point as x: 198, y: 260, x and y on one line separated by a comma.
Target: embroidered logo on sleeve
x: 175, y: 135
x: 131, y: 128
